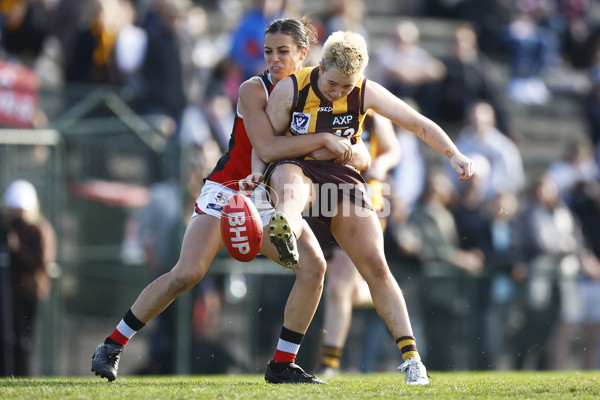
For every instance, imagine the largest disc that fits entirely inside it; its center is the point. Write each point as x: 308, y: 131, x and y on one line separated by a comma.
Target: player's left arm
x: 383, y: 102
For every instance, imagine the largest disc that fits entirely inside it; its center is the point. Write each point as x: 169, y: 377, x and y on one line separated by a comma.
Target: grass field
x: 454, y: 385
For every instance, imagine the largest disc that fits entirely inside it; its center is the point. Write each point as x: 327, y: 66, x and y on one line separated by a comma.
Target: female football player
x: 285, y: 47
x: 334, y: 97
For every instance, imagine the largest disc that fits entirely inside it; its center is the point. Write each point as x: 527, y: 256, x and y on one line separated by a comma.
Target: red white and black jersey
x: 236, y: 162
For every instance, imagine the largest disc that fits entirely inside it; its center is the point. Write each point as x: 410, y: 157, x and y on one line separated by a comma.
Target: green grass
x: 455, y: 385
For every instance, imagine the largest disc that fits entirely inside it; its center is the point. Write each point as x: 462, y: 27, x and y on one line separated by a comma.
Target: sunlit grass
x: 455, y: 385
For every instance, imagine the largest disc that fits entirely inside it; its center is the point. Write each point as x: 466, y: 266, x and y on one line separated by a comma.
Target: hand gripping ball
x: 241, y: 228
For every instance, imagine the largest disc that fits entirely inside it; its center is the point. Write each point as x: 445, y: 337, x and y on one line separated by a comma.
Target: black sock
x: 113, y: 342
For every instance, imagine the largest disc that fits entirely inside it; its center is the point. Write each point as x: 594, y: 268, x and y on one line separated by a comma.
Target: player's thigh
x: 288, y: 183
x: 359, y: 233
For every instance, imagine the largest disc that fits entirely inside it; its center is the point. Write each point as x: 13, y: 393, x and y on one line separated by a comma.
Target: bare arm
x: 268, y: 146
x: 386, y: 104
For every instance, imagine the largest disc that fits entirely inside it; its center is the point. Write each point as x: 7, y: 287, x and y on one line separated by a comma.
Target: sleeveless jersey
x: 235, y: 164
x: 311, y: 112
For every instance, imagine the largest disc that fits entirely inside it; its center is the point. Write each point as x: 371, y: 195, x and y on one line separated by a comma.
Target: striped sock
x: 331, y: 357
x: 408, y: 347
x: 287, y: 346
x: 128, y: 327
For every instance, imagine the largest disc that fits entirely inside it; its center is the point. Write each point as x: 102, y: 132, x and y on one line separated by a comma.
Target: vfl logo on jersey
x: 300, y: 123
x: 338, y: 121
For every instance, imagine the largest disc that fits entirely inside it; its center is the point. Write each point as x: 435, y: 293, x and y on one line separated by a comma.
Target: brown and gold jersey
x: 311, y: 112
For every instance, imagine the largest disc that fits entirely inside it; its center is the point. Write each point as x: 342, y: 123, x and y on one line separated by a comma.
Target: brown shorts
x: 332, y: 183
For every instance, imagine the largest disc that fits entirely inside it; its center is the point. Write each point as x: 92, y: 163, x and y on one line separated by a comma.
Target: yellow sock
x: 331, y: 357
x: 408, y: 347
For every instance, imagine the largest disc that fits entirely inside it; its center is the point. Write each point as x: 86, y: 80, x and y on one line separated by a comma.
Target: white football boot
x: 416, y: 373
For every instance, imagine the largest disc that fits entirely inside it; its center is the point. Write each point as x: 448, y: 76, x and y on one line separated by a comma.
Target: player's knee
x: 378, y: 268
x: 181, y: 280
x: 313, y: 271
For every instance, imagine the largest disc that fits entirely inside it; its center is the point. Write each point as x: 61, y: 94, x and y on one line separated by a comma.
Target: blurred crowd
x: 504, y: 269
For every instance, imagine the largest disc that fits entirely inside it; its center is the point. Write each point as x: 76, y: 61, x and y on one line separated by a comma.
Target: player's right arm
x: 383, y: 102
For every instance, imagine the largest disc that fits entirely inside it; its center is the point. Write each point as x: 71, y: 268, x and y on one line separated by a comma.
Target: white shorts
x: 580, y: 301
x: 213, y: 197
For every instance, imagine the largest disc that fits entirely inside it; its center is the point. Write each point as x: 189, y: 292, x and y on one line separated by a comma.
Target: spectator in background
x: 533, y: 47
x: 200, y: 56
x: 575, y: 22
x: 408, y: 178
x: 345, y: 15
x: 482, y: 136
x: 92, y: 60
x: 32, y: 244
x: 445, y: 293
x: 247, y: 38
x: 454, y: 9
x: 591, y: 105
x: 130, y: 49
x: 502, y: 258
x: 551, y: 244
x: 577, y: 166
x: 468, y: 207
x: 407, y: 69
x: 162, y: 71
x: 23, y: 29
x: 470, y: 77
x: 472, y: 225
x: 570, y: 21
x: 65, y: 23
x: 162, y: 93
x: 219, y: 103
x: 580, y: 320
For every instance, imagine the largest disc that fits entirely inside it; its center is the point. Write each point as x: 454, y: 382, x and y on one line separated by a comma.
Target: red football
x: 241, y: 228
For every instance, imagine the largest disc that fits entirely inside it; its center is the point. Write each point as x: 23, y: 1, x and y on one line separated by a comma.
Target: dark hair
x: 301, y: 30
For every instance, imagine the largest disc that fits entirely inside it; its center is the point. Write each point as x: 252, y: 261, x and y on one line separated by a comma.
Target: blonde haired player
x: 335, y: 97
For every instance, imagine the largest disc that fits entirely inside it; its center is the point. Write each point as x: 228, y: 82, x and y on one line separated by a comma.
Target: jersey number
x: 347, y: 133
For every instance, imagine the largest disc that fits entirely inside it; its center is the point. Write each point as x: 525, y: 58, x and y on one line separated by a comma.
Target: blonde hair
x: 345, y: 51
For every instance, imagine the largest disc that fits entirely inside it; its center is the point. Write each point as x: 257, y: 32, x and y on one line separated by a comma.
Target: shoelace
x: 413, y: 373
